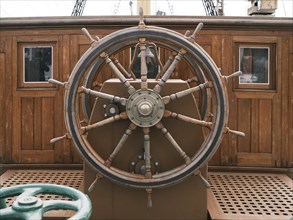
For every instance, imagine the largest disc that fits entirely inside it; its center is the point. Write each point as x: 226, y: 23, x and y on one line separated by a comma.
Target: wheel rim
x: 210, y: 144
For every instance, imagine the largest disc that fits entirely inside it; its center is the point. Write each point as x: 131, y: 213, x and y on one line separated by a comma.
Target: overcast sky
x: 36, y: 8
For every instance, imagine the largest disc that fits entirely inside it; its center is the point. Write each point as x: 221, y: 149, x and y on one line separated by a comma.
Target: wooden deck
x: 232, y: 195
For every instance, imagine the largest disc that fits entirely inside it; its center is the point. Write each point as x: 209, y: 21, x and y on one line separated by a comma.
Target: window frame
x: 52, y: 63
x: 271, y: 84
x: 21, y: 83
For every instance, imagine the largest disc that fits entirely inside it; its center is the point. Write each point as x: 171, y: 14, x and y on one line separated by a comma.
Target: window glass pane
x: 152, y: 65
x: 254, y: 64
x: 37, y: 64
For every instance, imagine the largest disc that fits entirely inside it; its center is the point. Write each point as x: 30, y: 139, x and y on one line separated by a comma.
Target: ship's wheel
x: 146, y: 104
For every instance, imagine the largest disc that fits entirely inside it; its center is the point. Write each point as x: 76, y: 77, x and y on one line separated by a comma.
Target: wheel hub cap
x: 145, y: 108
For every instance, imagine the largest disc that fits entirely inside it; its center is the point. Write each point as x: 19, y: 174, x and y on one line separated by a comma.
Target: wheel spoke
x: 30, y: 191
x: 109, y: 120
x: 185, y: 118
x: 147, y: 153
x: 169, y: 71
x: 112, y: 98
x: 117, y: 72
x: 169, y: 137
x: 120, y: 144
x: 60, y: 204
x: 9, y: 213
x: 167, y: 64
x: 121, y: 68
x: 143, y: 65
x: 183, y: 93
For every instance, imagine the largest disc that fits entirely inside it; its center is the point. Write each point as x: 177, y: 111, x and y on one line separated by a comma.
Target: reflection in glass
x: 254, y: 64
x: 152, y: 65
x: 37, y: 64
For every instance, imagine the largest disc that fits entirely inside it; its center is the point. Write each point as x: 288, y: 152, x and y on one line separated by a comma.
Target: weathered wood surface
x: 30, y: 117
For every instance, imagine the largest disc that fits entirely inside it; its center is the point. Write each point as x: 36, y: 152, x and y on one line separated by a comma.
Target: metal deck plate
x: 232, y: 195
x: 250, y: 196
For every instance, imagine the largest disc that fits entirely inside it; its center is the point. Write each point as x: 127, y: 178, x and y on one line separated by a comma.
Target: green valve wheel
x: 28, y: 206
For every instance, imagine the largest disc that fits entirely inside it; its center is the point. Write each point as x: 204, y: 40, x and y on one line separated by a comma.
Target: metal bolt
x: 112, y: 110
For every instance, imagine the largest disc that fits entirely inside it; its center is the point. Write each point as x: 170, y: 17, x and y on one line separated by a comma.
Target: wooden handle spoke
x: 169, y: 71
x: 120, y: 144
x: 185, y: 118
x: 121, y: 68
x: 237, y: 133
x: 236, y: 74
x: 121, y: 77
x: 183, y: 93
x: 147, y: 153
x: 143, y: 65
x: 197, y: 29
x: 169, y: 137
x: 167, y: 64
x: 56, y: 139
x: 103, y: 95
x: 109, y: 120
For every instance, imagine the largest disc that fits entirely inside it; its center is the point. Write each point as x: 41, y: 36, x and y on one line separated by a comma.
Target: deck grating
x: 71, y: 178
x: 250, y: 196
x: 232, y: 195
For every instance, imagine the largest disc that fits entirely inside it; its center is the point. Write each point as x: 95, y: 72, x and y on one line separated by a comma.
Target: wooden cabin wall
x: 31, y: 116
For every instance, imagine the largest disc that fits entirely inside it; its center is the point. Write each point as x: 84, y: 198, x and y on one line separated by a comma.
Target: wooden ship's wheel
x: 148, y: 113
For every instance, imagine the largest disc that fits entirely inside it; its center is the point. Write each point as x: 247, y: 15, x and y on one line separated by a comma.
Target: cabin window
x: 257, y: 65
x: 37, y: 64
x: 254, y: 64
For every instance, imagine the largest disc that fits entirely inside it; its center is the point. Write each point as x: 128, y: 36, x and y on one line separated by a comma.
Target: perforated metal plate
x: 232, y: 195
x: 71, y: 178
x: 250, y: 196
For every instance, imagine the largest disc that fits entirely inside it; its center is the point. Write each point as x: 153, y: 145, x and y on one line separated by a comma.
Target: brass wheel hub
x: 145, y: 108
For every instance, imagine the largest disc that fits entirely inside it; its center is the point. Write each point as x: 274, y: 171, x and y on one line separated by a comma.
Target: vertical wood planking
x: 2, y: 109
x: 281, y: 105
x: 48, y: 111
x: 228, y: 67
x: 277, y: 110
x: 290, y: 116
x: 265, y: 124
x: 285, y: 102
x: 244, y: 124
x: 255, y: 126
x: 8, y: 99
x: 37, y: 119
x: 27, y: 123
x: 61, y: 149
